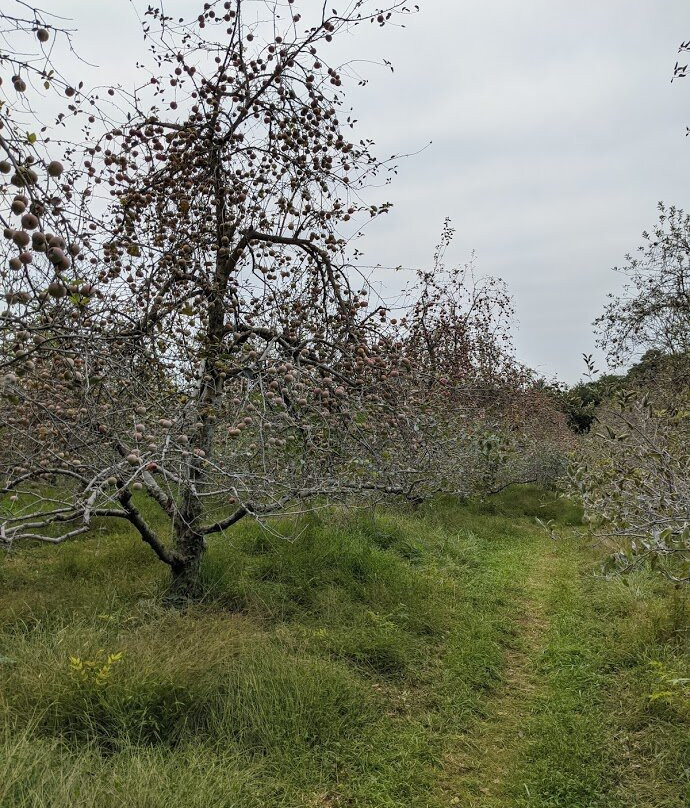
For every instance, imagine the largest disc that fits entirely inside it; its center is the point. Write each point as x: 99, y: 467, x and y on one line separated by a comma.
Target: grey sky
x: 555, y: 131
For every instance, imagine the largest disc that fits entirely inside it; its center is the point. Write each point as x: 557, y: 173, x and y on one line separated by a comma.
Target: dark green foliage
x: 663, y: 377
x: 580, y: 402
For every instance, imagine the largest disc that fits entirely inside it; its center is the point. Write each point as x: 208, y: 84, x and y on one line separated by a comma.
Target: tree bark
x: 185, y: 582
x: 189, y: 546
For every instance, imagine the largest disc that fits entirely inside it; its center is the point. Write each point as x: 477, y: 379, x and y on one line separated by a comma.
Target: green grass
x: 567, y: 758
x: 372, y: 660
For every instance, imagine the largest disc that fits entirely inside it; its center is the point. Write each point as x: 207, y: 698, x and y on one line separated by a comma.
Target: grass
x: 456, y: 655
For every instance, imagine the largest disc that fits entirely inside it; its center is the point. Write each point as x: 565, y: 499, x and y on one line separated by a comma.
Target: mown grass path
x: 483, y: 766
x: 568, y: 725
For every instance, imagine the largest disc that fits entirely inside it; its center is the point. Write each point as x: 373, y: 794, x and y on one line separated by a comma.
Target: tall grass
x: 335, y: 668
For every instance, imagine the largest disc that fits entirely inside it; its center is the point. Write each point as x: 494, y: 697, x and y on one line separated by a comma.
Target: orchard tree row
x: 185, y: 319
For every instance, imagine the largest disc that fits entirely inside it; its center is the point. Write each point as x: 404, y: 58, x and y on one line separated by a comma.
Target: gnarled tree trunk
x: 189, y: 546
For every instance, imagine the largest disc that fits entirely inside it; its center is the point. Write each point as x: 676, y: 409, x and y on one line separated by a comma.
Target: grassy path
x: 489, y: 751
x: 569, y: 725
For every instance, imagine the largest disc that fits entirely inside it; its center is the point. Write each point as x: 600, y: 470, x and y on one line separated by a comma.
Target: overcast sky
x: 554, y: 131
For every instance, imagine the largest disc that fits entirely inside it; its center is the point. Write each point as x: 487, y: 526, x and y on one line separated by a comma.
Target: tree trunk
x: 185, y: 583
x: 188, y: 542
x: 189, y: 546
